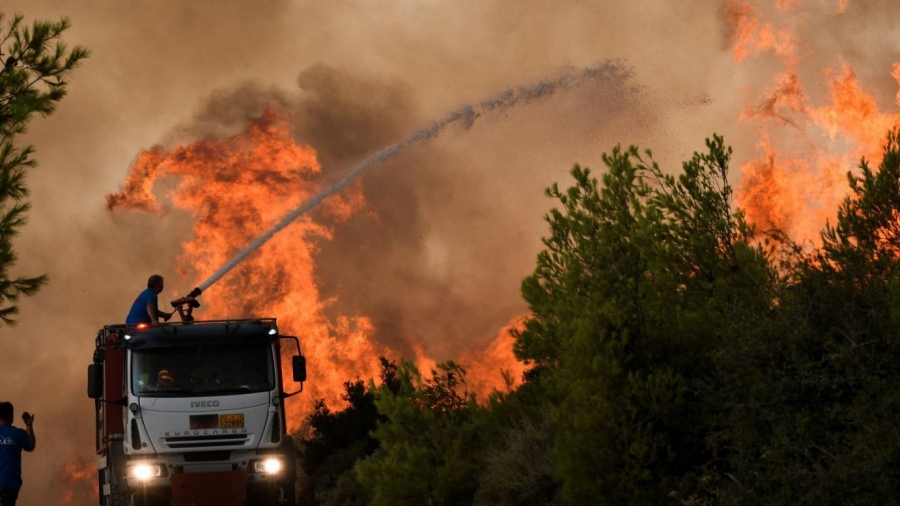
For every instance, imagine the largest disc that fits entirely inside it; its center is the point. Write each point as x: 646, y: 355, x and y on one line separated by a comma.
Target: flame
x: 235, y: 189
x: 854, y: 114
x: 485, y: 369
x: 78, y: 482
x: 798, y: 182
x: 790, y: 194
x: 780, y: 101
x: 895, y: 73
x: 750, y: 36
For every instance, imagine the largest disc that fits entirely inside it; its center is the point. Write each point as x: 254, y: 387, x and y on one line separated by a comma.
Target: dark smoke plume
x: 465, y: 115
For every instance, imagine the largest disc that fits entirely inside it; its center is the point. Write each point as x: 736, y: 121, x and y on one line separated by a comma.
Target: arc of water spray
x: 467, y: 114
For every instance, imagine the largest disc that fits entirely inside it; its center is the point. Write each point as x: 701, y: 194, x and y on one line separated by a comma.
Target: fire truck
x: 192, y: 413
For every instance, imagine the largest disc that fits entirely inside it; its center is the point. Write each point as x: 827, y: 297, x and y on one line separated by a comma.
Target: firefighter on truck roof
x: 146, y: 307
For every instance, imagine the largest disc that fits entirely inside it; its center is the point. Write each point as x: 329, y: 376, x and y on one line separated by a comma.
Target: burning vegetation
x: 234, y: 189
x: 809, y: 141
x: 669, y: 353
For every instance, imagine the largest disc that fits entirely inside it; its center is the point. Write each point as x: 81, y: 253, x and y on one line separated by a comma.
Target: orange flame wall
x: 235, y: 189
x: 808, y: 139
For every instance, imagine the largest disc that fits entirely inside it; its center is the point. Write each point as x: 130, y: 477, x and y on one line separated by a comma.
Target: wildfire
x: 486, y: 369
x: 78, y: 482
x: 854, y: 114
x: 750, y: 36
x: 235, y: 188
x: 798, y: 182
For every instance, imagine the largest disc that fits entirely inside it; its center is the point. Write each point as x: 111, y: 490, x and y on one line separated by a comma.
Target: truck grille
x: 183, y: 442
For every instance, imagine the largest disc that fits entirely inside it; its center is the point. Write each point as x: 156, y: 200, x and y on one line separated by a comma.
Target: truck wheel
x: 114, y: 476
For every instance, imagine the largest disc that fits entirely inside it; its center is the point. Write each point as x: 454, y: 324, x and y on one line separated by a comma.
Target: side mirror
x: 299, y: 365
x: 95, y: 381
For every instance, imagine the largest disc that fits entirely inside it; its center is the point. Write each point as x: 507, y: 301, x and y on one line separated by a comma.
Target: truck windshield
x: 192, y: 369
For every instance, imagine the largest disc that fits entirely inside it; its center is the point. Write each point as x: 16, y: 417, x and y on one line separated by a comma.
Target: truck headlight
x: 270, y: 465
x: 145, y: 472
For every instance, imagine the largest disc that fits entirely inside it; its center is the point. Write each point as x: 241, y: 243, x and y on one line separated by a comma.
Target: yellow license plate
x: 231, y: 421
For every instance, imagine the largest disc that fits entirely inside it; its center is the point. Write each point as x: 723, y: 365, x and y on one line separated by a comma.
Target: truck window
x: 191, y: 369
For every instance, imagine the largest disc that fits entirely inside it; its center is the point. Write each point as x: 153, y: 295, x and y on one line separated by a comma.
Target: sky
x: 459, y: 217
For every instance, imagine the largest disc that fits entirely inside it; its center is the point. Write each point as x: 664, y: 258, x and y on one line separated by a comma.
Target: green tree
x: 678, y: 357
x: 643, y: 278
x: 426, y: 441
x: 35, y: 66
x: 821, y: 426
x: 339, y: 439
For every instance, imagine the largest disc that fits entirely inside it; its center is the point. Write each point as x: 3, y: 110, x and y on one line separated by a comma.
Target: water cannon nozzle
x: 190, y: 299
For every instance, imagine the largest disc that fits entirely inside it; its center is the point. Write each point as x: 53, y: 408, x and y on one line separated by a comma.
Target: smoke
x: 449, y: 227
x: 467, y: 115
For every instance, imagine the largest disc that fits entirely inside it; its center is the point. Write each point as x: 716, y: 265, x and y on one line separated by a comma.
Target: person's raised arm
x: 28, y: 418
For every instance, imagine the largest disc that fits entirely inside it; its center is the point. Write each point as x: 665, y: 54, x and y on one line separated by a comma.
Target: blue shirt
x: 138, y: 313
x: 12, y: 441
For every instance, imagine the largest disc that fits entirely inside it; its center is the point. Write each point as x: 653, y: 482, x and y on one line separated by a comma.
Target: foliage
x: 678, y: 356
x: 821, y: 426
x: 425, y: 442
x: 518, y: 471
x: 35, y: 66
x: 631, y: 296
x: 339, y: 439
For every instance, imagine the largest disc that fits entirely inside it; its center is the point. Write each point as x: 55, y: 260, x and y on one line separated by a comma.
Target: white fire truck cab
x: 193, y: 413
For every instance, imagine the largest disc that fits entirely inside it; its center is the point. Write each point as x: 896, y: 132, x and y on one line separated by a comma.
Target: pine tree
x: 35, y: 65
x: 643, y: 278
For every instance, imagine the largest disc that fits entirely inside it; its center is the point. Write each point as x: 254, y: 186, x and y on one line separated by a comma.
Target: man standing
x: 146, y: 307
x: 12, y: 441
